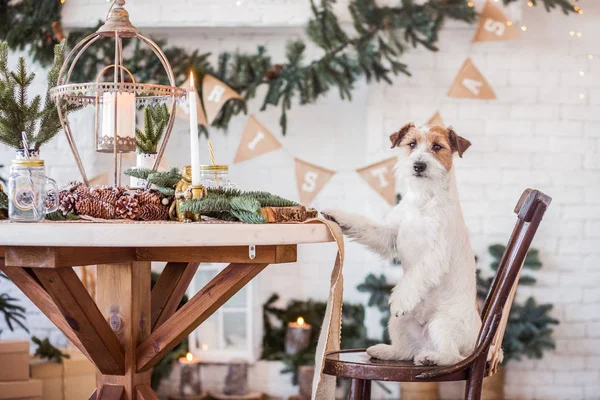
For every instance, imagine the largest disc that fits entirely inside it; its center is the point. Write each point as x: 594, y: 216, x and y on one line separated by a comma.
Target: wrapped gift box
x: 21, y: 390
x: 74, y: 379
x: 14, y: 353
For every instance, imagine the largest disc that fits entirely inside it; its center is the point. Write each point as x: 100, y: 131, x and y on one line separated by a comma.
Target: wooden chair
x: 357, y: 365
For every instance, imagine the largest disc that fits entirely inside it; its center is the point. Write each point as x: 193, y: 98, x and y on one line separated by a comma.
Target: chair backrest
x: 530, y: 209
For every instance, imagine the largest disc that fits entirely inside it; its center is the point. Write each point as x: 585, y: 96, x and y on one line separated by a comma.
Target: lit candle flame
x: 192, y: 85
x: 189, y: 356
x: 300, y: 321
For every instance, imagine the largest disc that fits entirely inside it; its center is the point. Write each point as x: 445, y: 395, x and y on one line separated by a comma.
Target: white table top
x: 158, y: 234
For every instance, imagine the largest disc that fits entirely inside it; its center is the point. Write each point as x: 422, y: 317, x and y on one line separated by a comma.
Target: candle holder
x: 117, y: 99
x: 190, y: 384
x: 185, y: 191
x: 297, y: 336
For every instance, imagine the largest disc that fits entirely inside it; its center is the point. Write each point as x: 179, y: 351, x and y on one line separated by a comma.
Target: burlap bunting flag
x: 435, y: 120
x: 215, y: 94
x: 470, y: 84
x: 494, y: 26
x: 380, y: 177
x: 256, y: 141
x: 310, y: 179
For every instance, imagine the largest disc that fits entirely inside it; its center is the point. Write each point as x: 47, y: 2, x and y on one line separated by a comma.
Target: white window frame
x: 221, y: 355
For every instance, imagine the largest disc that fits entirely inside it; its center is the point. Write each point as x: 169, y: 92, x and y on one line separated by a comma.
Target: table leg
x: 123, y: 297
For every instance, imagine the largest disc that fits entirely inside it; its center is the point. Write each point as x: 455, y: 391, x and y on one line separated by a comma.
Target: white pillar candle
x: 194, y: 142
x: 125, y: 114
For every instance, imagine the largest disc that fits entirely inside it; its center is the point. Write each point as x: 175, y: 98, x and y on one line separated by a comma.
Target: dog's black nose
x: 419, y: 166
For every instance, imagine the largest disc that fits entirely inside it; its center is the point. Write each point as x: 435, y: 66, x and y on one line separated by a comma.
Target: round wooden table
x: 128, y: 328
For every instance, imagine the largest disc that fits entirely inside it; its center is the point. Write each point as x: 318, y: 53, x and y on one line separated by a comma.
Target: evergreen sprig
x: 373, y: 48
x: 14, y: 314
x: 155, y: 122
x: 3, y: 200
x: 46, y: 351
x: 232, y: 205
x: 59, y: 216
x: 39, y: 121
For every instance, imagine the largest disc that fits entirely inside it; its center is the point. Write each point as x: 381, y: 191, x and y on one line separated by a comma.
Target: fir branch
x: 166, y: 191
x: 210, y: 203
x: 165, y: 179
x: 234, y: 205
x: 245, y: 203
x: 140, y: 173
x: 17, y: 114
x: 46, y: 351
x: 3, y: 200
x: 155, y: 122
x: 59, y: 216
x: 249, y: 217
x: 14, y: 314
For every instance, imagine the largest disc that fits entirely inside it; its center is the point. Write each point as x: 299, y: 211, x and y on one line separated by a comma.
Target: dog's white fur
x: 434, y: 317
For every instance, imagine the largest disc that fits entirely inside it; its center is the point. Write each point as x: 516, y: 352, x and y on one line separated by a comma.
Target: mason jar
x: 31, y: 194
x: 216, y: 177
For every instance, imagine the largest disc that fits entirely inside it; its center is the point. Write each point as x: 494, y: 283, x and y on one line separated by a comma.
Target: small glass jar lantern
x: 216, y: 177
x: 32, y: 195
x: 114, y: 102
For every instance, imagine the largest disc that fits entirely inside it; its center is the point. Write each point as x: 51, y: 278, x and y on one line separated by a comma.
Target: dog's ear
x: 396, y: 138
x: 457, y: 143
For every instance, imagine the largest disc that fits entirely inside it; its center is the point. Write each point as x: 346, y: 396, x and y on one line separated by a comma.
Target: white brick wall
x: 539, y: 133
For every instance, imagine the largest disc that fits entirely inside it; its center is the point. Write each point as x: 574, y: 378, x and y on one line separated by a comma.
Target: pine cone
x: 95, y: 208
x: 67, y: 202
x: 107, y: 194
x: 153, y: 212
x: 81, y: 191
x: 148, y: 197
x: 127, y: 207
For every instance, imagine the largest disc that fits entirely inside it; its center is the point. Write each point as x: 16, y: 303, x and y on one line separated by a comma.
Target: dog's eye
x: 412, y: 144
x: 436, y: 147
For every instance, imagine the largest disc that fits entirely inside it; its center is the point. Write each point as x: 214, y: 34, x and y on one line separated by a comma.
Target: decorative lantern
x: 114, y: 102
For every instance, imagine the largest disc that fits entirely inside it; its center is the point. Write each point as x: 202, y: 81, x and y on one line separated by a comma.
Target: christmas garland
x: 222, y: 204
x: 380, y: 36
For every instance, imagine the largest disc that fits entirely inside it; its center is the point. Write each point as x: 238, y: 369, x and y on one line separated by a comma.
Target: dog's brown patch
x: 396, y: 138
x: 438, y: 144
x: 459, y: 144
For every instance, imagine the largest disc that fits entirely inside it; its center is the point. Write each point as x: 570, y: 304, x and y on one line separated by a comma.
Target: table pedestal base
x: 129, y: 328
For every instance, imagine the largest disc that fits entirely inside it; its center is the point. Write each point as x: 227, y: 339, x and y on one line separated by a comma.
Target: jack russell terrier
x: 434, y: 318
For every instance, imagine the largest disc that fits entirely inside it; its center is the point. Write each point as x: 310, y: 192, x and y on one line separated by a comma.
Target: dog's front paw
x: 403, y: 301
x: 381, y: 352
x: 337, y: 216
x: 400, y: 305
x: 427, y: 358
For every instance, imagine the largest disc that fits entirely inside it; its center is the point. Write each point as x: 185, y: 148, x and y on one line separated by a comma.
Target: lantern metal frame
x: 117, y: 27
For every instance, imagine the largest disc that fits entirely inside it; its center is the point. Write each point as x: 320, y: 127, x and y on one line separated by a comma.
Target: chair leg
x: 475, y: 380
x: 357, y: 389
x: 367, y: 391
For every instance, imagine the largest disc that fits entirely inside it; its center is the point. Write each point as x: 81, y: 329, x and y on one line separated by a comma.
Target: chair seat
x: 358, y: 364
